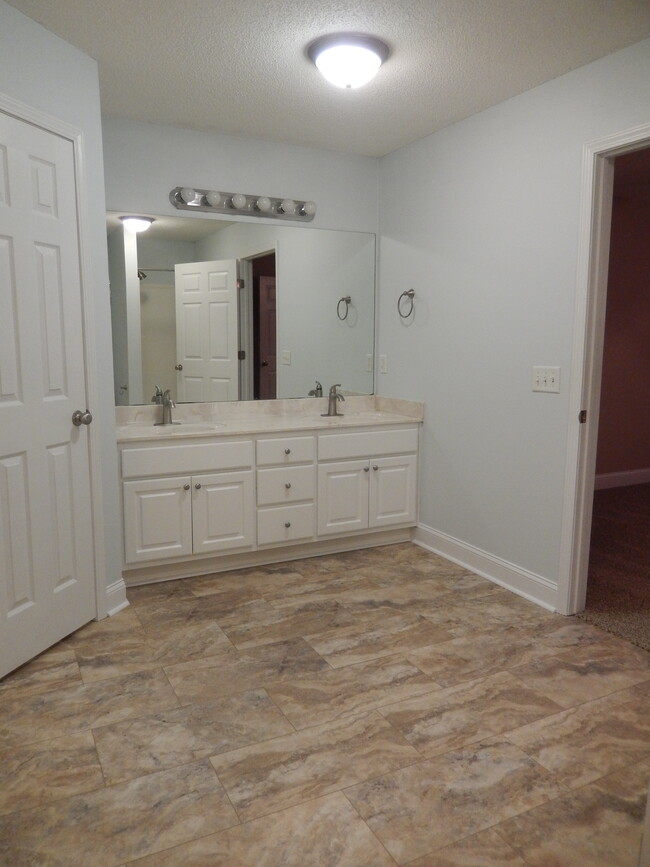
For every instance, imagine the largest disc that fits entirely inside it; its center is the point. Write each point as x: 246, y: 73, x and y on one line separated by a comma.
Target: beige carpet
x: 618, y: 592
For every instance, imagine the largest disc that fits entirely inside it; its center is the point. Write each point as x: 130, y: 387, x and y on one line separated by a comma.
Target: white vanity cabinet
x: 172, y: 509
x: 286, y: 489
x: 367, y: 480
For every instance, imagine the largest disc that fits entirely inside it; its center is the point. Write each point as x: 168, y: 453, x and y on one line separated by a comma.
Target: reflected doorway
x: 264, y: 328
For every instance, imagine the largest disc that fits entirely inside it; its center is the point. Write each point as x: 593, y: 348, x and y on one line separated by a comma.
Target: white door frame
x: 29, y: 114
x: 587, y: 357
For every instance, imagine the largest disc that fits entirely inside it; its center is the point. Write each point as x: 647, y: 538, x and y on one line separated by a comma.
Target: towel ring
x: 345, y: 300
x: 410, y: 294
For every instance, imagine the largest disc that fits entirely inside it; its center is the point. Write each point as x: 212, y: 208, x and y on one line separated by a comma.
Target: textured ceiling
x: 239, y: 66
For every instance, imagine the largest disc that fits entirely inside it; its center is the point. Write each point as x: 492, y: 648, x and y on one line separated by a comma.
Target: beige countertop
x: 259, y: 417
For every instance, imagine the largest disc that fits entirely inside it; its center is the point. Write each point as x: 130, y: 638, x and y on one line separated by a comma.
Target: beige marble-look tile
x: 175, y: 737
x: 328, y: 695
x: 120, y: 823
x: 485, y: 849
x: 367, y: 640
x: 591, y: 740
x: 325, y: 588
x: 285, y: 625
x: 193, y: 642
x: 599, y: 825
x: 434, y: 803
x: 473, y: 657
x: 145, y: 594
x: 584, y: 673
x: 177, y: 614
x: 48, y: 771
x: 468, y: 617
x: 124, y: 627
x: 451, y: 718
x: 280, y: 773
x: 231, y: 671
x: 57, y: 711
x: 325, y: 832
x: 56, y: 665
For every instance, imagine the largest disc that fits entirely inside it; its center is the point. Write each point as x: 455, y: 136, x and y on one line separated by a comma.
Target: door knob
x: 264, y: 364
x: 80, y: 417
x: 178, y: 367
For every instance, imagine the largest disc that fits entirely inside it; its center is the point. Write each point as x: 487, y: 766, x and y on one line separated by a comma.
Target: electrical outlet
x: 286, y: 356
x: 383, y: 364
x: 546, y: 379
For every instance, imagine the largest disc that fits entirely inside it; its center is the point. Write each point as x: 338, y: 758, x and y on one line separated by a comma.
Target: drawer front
x: 169, y: 459
x: 286, y: 450
x: 364, y: 444
x: 285, y: 485
x: 285, y: 523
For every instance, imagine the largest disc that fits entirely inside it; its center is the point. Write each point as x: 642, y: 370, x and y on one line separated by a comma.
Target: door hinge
x: 241, y: 284
x: 241, y: 354
x: 582, y: 416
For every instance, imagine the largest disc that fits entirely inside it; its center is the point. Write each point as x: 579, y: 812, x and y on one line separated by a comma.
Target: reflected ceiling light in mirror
x: 242, y: 204
x: 137, y: 224
x: 348, y: 60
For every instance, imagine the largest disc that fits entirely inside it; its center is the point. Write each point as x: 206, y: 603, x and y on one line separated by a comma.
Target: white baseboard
x: 622, y: 479
x: 527, y: 584
x: 116, y: 597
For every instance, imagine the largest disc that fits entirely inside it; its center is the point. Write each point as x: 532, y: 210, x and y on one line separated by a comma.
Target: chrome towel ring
x: 347, y: 301
x: 409, y: 294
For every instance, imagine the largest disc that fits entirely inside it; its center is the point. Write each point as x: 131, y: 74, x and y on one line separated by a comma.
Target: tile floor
x: 373, y: 708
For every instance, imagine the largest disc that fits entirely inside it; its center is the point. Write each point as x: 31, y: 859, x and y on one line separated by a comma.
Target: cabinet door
x: 342, y: 497
x: 157, y: 519
x: 223, y: 511
x: 393, y: 491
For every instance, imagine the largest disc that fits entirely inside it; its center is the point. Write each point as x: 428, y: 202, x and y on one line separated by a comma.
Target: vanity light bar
x: 216, y: 202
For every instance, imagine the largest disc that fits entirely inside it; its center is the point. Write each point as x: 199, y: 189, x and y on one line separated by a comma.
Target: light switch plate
x: 546, y: 379
x: 383, y: 364
x: 286, y: 356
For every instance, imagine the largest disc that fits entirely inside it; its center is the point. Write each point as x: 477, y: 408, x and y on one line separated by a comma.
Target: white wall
x: 144, y: 162
x: 43, y: 71
x: 481, y: 219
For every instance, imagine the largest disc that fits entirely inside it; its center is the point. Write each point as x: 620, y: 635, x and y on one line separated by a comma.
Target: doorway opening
x: 264, y: 328
x: 599, y: 167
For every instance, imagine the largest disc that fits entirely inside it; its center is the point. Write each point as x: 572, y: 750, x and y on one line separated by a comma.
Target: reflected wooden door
x: 47, y: 577
x: 267, y: 343
x: 207, y: 331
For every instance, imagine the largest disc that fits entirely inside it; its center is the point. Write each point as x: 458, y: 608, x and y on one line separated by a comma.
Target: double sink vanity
x: 230, y: 485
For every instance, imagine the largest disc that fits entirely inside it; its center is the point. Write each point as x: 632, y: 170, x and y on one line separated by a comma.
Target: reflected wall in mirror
x: 174, y: 305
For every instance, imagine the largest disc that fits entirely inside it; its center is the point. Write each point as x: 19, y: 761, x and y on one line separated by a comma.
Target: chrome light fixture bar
x: 241, y: 204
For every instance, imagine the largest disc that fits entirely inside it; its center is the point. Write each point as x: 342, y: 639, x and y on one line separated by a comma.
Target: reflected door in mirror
x: 207, y: 331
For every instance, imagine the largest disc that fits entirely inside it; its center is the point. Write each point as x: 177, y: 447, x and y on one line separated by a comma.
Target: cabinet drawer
x: 285, y: 523
x: 285, y: 485
x: 286, y: 450
x: 366, y: 443
x: 156, y: 460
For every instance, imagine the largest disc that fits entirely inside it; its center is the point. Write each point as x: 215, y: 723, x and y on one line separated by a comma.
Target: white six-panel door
x: 207, y: 331
x: 47, y: 580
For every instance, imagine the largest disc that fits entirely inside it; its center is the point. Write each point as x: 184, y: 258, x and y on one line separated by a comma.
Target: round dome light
x: 137, y: 224
x: 348, y: 60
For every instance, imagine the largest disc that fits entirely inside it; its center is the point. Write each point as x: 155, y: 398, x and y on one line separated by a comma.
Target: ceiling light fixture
x: 137, y: 224
x: 348, y: 59
x: 241, y: 204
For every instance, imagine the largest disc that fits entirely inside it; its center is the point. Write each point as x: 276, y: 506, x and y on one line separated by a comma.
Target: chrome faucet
x: 316, y: 392
x: 158, y: 396
x: 167, y: 406
x: 334, y: 396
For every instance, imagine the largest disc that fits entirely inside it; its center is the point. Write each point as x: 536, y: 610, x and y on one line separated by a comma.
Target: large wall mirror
x: 219, y: 310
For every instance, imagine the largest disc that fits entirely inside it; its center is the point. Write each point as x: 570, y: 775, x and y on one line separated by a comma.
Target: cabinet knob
x: 375, y: 467
x: 287, y: 524
x: 366, y: 469
x: 186, y: 487
x: 287, y: 485
x: 287, y: 451
x: 197, y: 485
